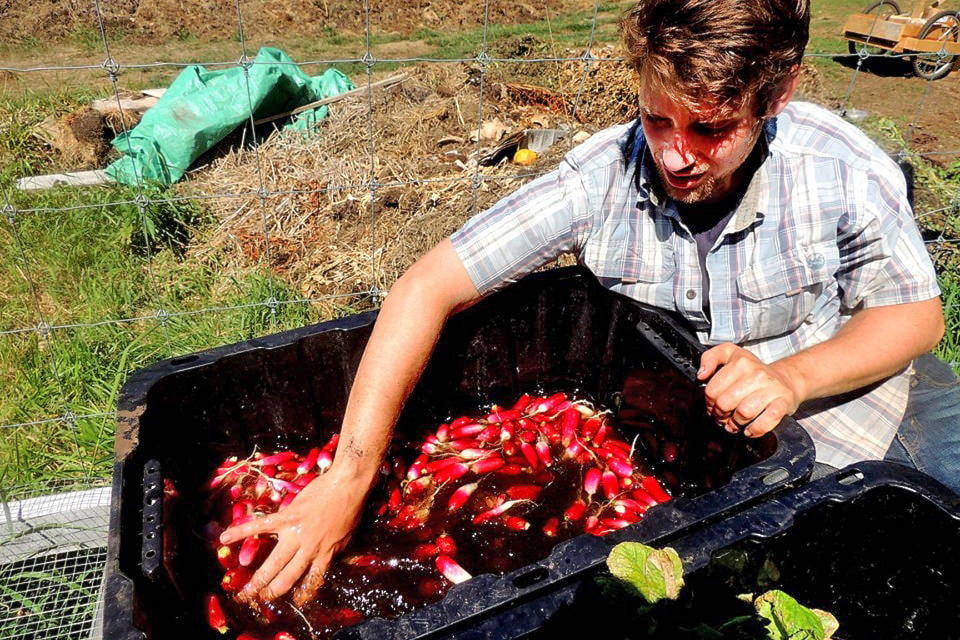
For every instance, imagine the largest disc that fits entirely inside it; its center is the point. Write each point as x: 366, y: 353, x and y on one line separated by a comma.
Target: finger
x: 312, y: 581
x: 767, y: 420
x: 713, y: 358
x: 266, y: 524
x: 274, y: 563
x: 288, y: 576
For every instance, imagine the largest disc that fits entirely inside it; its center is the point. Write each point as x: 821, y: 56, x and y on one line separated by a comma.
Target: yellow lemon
x: 524, y: 156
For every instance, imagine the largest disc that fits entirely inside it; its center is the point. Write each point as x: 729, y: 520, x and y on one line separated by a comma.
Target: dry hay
x: 318, y: 207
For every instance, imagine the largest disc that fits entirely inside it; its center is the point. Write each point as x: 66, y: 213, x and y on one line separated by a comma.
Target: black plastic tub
x: 558, y: 330
x: 876, y: 545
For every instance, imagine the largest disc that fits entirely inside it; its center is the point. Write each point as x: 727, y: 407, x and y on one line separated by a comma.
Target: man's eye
x: 656, y: 121
x: 712, y: 129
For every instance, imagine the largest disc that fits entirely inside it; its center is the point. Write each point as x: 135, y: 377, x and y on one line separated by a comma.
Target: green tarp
x: 201, y: 107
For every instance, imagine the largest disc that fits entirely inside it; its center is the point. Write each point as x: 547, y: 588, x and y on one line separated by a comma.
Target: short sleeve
x: 525, y: 230
x: 883, y: 257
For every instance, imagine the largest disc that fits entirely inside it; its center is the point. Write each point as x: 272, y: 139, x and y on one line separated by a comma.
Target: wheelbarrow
x: 929, y: 36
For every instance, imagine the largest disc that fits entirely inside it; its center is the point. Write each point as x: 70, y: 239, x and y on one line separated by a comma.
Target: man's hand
x: 310, y: 531
x: 744, y: 393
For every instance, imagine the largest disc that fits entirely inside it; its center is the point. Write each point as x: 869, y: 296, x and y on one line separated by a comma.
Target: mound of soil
x: 154, y: 21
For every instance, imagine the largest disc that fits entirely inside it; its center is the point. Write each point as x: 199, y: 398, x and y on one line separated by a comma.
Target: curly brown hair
x: 720, y: 53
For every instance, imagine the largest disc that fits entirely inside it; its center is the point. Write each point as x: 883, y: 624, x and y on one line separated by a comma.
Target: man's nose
x: 677, y: 156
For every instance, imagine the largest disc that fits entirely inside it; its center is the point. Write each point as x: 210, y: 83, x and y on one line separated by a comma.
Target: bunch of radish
x: 545, y: 469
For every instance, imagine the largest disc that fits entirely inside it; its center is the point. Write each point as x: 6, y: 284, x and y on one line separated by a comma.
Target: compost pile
x: 479, y: 494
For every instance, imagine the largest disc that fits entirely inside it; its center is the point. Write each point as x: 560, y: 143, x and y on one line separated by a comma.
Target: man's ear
x: 788, y: 88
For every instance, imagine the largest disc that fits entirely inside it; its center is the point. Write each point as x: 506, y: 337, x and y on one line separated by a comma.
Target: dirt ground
x: 152, y: 21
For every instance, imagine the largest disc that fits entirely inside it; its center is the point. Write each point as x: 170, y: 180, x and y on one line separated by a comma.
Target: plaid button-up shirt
x: 823, y: 229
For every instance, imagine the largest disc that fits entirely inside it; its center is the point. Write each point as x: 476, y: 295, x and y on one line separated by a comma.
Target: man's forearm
x: 874, y: 344
x: 406, y: 331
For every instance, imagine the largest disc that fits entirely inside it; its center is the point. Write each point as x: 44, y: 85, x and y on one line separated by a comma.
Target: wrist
x: 793, y: 377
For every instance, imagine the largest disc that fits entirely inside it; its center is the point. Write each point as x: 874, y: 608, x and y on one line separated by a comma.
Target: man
x: 781, y: 233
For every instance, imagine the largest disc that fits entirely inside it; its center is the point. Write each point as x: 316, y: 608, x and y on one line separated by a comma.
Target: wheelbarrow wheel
x: 884, y: 9
x: 944, y: 27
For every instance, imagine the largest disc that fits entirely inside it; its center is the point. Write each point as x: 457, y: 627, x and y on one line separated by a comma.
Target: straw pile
x: 318, y: 208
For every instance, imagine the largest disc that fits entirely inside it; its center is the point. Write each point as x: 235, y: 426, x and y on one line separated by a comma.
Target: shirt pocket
x: 779, y: 294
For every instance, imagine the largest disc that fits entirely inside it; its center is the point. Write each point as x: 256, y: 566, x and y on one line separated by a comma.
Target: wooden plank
x: 130, y: 105
x: 930, y: 46
x: 73, y: 178
x: 862, y: 25
x: 346, y: 94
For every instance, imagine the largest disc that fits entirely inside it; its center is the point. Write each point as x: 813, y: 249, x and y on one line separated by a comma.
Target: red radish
x: 417, y: 467
x: 509, y: 448
x: 451, y: 570
x: 446, y: 544
x: 543, y: 452
x: 528, y: 435
x: 600, y: 435
x: 332, y: 442
x: 288, y: 465
x: 247, y: 636
x: 393, y: 502
x: 276, y: 458
x: 575, y: 511
x: 524, y: 491
x: 215, y: 617
x: 547, y: 404
x: 590, y: 427
x: 510, y: 469
x: 430, y: 448
x: 439, y: 464
x: 515, y: 523
x: 569, y: 420
x: 287, y: 499
x: 474, y: 454
x: 424, y: 551
x: 463, y: 443
x: 490, y: 434
x: 362, y: 560
x: 443, y: 432
x: 249, y: 549
x: 453, y: 472
x: 305, y: 479
x: 574, y: 449
x: 284, y: 635
x: 467, y: 430
x: 585, y: 411
x: 227, y: 556
x: 616, y: 523
x: 591, y: 481
x: 235, y: 579
x: 488, y: 464
x: 522, y: 402
x: 610, y: 484
x: 483, y: 516
x: 550, y: 527
x: 459, y: 422
x: 644, y: 498
x: 503, y: 416
x: 284, y: 485
x: 235, y: 491
x: 591, y: 523
x: 530, y: 453
x: 624, y: 506
x: 431, y: 439
x: 459, y: 497
x: 619, y: 467
x: 651, y: 486
x: 324, y: 460
x: 418, y: 487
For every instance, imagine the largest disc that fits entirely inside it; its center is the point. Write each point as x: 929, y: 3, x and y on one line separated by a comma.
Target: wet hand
x: 313, y: 528
x: 744, y: 393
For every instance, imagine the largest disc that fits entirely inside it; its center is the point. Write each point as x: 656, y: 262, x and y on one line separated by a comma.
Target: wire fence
x: 49, y: 548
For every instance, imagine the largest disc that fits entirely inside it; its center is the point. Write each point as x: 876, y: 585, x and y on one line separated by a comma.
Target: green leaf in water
x: 790, y: 620
x: 655, y: 573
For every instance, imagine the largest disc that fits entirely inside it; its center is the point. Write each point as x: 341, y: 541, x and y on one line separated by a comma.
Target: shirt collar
x: 752, y: 206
